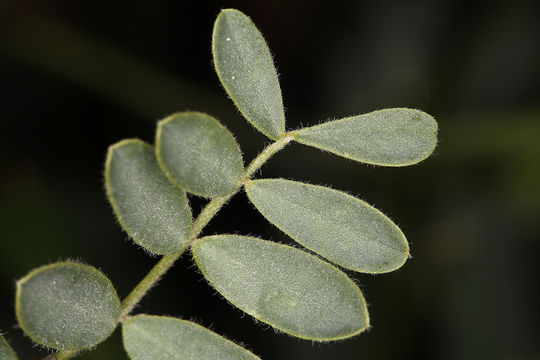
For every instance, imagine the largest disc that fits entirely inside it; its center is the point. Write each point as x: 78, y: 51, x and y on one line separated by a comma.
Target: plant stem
x: 209, y: 211
x: 267, y: 154
x: 146, y: 283
x: 207, y: 214
x: 167, y: 261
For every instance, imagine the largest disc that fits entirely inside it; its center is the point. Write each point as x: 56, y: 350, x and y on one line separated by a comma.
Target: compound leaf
x: 6, y: 352
x: 285, y: 287
x: 391, y: 137
x: 245, y: 68
x: 338, y: 226
x: 153, y: 211
x: 67, y: 306
x: 167, y: 338
x: 199, y: 154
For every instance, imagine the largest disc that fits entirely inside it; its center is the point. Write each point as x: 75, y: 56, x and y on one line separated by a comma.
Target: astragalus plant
x: 69, y: 306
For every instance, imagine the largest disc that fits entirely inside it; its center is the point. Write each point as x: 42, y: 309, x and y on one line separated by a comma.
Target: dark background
x: 77, y: 76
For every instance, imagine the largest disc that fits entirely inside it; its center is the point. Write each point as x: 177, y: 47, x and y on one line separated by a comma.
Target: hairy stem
x: 167, y: 261
x: 207, y: 214
x: 209, y: 211
x: 267, y: 153
x: 147, y: 283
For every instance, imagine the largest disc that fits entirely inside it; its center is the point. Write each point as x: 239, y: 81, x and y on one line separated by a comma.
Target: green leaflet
x: 153, y: 211
x: 287, y: 288
x: 391, y: 137
x: 199, y: 154
x: 245, y: 68
x: 6, y: 352
x: 167, y: 338
x: 67, y: 306
x: 338, y: 226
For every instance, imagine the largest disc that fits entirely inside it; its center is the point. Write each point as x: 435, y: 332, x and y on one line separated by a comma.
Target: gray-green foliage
x: 6, y: 352
x: 391, y: 137
x: 199, y: 154
x: 167, y: 338
x: 245, y: 68
x: 73, y: 306
x: 285, y: 287
x: 67, y: 306
x: 154, y: 212
x: 331, y: 223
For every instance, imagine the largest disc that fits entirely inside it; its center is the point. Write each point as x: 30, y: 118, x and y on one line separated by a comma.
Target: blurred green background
x: 78, y: 76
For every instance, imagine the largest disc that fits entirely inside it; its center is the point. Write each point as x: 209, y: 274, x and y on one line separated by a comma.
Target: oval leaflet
x: 245, y: 68
x: 339, y: 227
x: 67, y: 306
x: 199, y: 154
x: 287, y: 288
x: 153, y: 211
x: 390, y: 137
